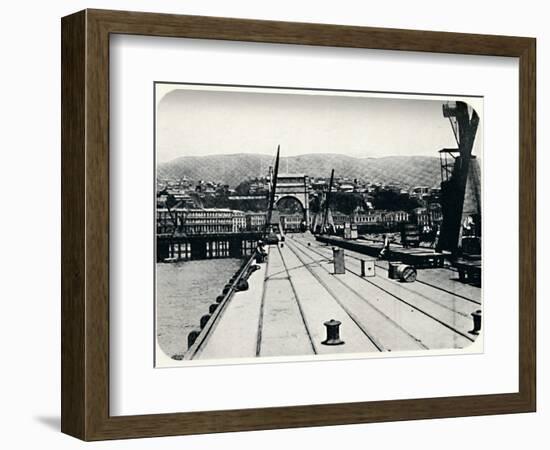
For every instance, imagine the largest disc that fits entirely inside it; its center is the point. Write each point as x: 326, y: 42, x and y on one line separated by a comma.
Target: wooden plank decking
x: 295, y: 292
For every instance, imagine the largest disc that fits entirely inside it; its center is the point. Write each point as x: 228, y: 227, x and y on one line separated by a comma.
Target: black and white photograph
x: 274, y: 225
x: 298, y: 224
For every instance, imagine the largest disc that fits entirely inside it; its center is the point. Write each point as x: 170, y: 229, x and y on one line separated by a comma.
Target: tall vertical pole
x: 273, y: 188
x: 327, y: 201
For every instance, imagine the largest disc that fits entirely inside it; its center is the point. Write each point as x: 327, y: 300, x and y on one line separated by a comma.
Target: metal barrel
x: 392, y: 269
x: 406, y: 273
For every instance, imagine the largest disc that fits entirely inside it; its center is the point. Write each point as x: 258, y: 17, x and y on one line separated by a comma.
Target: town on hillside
x: 191, y: 207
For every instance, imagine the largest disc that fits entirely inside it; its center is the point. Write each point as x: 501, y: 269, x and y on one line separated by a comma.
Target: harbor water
x: 185, y: 290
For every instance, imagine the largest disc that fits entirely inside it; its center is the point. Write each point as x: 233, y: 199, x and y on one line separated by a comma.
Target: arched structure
x: 294, y: 186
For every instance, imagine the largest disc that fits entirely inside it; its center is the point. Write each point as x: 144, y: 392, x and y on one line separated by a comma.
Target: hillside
x: 232, y: 169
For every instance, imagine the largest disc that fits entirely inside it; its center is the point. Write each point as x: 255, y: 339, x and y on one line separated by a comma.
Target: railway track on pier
x: 434, y: 313
x: 350, y: 254
x: 354, y: 317
x: 296, y: 305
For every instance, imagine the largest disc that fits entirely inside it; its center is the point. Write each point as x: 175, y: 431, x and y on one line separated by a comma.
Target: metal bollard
x: 476, y: 315
x: 339, y: 263
x: 204, y: 320
x: 192, y: 337
x: 242, y: 285
x: 333, y: 333
x: 226, y: 289
x: 362, y: 267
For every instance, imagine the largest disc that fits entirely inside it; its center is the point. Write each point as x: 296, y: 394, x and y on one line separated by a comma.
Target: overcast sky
x: 193, y: 122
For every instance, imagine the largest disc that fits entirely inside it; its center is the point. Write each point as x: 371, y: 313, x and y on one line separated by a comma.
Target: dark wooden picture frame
x: 85, y: 224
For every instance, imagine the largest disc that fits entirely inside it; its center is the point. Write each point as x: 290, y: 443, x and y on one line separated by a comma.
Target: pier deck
x: 415, y: 256
x: 296, y: 291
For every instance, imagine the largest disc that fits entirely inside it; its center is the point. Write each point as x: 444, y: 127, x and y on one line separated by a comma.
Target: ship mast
x: 273, y: 189
x: 327, y: 202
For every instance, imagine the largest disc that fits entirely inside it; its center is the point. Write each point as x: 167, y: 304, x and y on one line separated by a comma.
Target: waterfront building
x: 165, y: 221
x: 292, y: 222
x: 239, y: 221
x: 204, y: 221
x: 255, y: 221
x: 431, y: 215
x: 395, y: 217
x: 371, y: 217
x: 194, y: 221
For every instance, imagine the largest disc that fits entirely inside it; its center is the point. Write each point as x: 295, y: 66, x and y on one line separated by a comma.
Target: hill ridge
x: 231, y: 169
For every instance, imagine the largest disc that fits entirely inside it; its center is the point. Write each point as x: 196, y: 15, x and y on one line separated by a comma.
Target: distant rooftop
x: 290, y: 175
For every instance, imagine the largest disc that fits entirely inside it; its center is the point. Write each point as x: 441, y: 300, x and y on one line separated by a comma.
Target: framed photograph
x: 271, y: 224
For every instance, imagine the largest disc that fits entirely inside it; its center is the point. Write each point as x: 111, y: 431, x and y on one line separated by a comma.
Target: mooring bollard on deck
x: 192, y: 337
x: 226, y: 288
x: 476, y: 315
x: 242, y: 285
x: 339, y: 263
x: 333, y: 333
x: 204, y: 320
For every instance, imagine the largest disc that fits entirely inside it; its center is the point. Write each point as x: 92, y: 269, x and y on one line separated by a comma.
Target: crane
x: 455, y: 167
